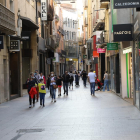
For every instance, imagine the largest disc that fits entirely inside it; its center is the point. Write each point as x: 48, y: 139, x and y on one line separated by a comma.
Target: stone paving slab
x: 79, y: 116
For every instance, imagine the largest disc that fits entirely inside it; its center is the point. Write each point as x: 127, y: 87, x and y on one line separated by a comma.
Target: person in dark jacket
x: 31, y: 83
x: 77, y: 79
x: 66, y: 78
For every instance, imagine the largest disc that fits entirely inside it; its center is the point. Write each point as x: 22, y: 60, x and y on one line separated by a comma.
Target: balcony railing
x: 60, y: 30
x: 50, y: 43
x: 50, y: 13
x: 7, y: 20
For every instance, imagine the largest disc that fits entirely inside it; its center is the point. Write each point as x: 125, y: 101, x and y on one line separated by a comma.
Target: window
x: 73, y: 23
x: 68, y: 35
x: 3, y: 2
x: 68, y: 22
x: 12, y: 5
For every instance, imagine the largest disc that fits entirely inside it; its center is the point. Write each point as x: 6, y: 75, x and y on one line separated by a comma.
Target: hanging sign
x: 112, y: 46
x: 95, y: 54
x: 118, y: 4
x: 14, y: 45
x: 122, y: 32
x: 43, y: 10
x: 1, y: 42
x: 100, y: 50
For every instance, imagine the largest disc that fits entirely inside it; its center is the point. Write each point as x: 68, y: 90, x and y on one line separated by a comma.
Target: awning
x: 28, y: 22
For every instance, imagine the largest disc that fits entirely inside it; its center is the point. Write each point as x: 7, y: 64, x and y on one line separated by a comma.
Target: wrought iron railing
x: 50, y: 42
x: 7, y: 20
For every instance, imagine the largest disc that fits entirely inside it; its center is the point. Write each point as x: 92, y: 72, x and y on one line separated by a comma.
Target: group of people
x: 37, y: 84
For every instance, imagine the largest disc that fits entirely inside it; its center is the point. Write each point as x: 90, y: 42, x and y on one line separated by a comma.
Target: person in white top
x: 91, y: 79
x: 41, y: 76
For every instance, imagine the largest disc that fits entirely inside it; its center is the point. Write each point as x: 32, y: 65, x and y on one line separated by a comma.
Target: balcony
x: 50, y: 43
x: 60, y: 30
x: 86, y: 5
x: 7, y: 21
x: 50, y: 13
x: 86, y: 22
x: 56, y: 18
x: 104, y: 3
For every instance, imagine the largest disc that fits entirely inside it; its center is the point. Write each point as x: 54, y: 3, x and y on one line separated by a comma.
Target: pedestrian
x: 42, y: 92
x: 48, y: 82
x: 52, y: 83
x: 79, y: 75
x: 84, y: 76
x: 37, y: 76
x: 66, y: 78
x: 76, y: 79
x: 106, y: 81
x: 31, y: 84
x: 41, y: 76
x: 91, y: 79
x: 71, y: 80
x: 59, y: 84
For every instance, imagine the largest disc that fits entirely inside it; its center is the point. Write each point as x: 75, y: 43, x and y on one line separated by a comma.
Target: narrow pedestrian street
x: 79, y: 116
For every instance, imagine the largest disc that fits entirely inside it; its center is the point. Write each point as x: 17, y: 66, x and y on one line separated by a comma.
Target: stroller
x: 100, y: 85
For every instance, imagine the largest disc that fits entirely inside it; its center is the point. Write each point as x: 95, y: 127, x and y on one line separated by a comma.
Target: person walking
x: 59, y: 84
x: 84, y: 77
x: 42, y: 92
x: 66, y: 78
x: 71, y: 80
x: 76, y: 79
x: 52, y: 83
x: 41, y: 76
x: 106, y: 84
x: 91, y: 79
x: 48, y: 82
x: 31, y: 84
x: 37, y: 76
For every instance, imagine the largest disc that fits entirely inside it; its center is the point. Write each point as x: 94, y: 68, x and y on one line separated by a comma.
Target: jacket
x: 66, y: 78
x: 33, y: 92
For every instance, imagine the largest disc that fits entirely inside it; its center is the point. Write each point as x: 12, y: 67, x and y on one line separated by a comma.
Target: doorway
x: 14, y: 75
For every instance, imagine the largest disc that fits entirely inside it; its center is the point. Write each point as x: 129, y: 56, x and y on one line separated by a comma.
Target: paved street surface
x: 79, y: 116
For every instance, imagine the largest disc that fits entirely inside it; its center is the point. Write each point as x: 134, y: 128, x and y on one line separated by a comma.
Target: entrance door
x: 14, y: 75
x: 25, y: 70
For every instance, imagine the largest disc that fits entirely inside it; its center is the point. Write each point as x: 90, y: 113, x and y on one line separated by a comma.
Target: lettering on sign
x: 123, y: 32
x: 126, y: 4
x: 43, y: 10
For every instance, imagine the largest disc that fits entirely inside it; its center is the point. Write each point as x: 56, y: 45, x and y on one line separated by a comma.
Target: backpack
x: 71, y: 78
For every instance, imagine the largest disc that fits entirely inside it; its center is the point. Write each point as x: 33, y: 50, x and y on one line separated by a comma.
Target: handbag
x: 55, y: 86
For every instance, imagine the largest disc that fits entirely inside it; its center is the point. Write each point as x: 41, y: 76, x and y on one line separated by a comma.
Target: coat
x: 33, y: 92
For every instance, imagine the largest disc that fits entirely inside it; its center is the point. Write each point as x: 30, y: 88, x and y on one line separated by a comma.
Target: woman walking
x: 106, y: 81
x: 59, y: 84
x: 52, y: 84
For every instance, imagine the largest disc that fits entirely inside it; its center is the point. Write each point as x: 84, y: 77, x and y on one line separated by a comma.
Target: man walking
x: 66, y: 78
x: 84, y: 76
x: 91, y: 79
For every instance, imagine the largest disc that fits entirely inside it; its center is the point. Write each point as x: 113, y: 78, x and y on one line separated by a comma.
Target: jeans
x: 92, y: 87
x: 53, y: 91
x: 106, y: 84
x: 42, y: 98
x: 30, y: 100
x: 85, y: 80
x: 65, y: 86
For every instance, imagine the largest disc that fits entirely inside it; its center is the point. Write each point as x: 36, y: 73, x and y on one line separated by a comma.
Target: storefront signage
x: 43, y: 10
x: 118, y: 4
x: 1, y: 42
x: 26, y: 35
x: 95, y: 54
x: 14, y: 45
x: 127, y: 50
x: 122, y: 32
x: 112, y: 46
x: 100, y: 50
x: 84, y: 56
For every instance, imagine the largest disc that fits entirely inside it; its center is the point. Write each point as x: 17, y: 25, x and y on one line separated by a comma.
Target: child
x: 42, y: 91
x: 59, y: 84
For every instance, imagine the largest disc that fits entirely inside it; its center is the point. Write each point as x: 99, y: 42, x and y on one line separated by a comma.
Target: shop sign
x: 127, y: 50
x: 95, y: 54
x: 26, y: 35
x: 100, y: 50
x: 1, y: 42
x: 122, y: 32
x: 112, y: 46
x: 43, y: 10
x: 14, y: 45
x: 85, y: 56
x: 118, y: 4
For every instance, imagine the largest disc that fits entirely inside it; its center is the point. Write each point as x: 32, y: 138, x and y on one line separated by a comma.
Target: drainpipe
x: 36, y: 12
